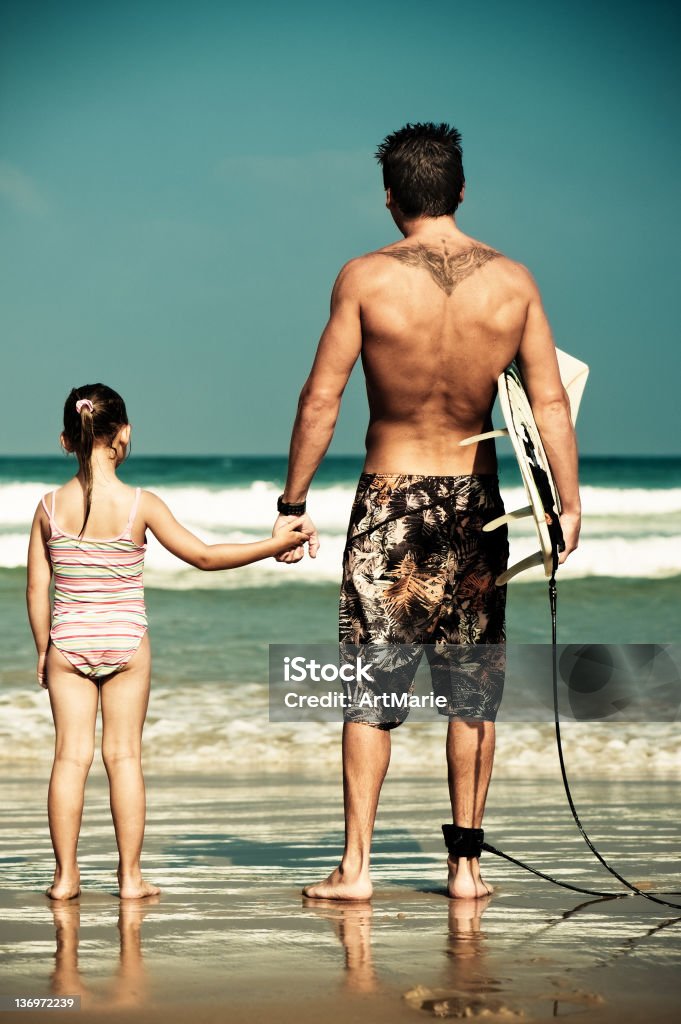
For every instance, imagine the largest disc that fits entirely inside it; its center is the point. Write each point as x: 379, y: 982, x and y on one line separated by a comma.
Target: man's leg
x: 474, y: 626
x: 366, y: 756
x: 470, y: 755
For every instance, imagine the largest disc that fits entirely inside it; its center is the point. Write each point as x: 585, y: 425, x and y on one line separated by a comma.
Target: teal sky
x: 180, y: 183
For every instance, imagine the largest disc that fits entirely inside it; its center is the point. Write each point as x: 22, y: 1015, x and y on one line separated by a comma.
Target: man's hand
x: 570, y: 523
x: 305, y: 525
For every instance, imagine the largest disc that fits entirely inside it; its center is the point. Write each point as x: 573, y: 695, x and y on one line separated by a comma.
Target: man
x: 436, y: 317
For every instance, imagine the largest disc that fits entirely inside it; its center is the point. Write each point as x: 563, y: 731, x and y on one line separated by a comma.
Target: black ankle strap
x: 463, y: 842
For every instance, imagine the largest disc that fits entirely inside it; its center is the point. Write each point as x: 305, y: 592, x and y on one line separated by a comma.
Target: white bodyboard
x: 521, y: 428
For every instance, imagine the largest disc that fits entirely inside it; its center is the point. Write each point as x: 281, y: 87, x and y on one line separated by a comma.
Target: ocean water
x: 632, y: 513
x: 210, y: 631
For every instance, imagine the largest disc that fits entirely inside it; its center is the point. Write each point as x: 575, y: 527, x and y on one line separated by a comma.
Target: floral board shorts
x: 419, y: 577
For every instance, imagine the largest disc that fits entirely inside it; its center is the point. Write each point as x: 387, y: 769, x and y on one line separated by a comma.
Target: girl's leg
x: 124, y: 706
x: 73, y: 699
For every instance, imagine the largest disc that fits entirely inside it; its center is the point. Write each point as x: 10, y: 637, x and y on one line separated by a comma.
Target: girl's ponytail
x: 87, y: 437
x: 94, y: 413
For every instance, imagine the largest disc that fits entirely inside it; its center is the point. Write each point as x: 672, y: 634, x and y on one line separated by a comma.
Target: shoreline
x: 595, y: 752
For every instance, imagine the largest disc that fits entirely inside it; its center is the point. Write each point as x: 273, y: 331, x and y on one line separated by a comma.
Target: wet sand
x: 231, y: 938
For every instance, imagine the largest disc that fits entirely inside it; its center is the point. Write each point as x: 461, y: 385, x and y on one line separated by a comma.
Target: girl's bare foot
x: 464, y: 880
x: 66, y: 885
x: 340, y: 885
x: 134, y: 887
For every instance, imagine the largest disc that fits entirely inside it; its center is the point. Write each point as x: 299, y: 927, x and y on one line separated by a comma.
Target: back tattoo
x: 447, y: 271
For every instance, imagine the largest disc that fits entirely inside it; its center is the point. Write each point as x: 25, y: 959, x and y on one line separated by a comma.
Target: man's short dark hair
x: 423, y: 168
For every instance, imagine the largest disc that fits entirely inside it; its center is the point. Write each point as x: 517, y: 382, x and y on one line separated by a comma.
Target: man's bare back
x: 435, y: 319
x: 442, y: 315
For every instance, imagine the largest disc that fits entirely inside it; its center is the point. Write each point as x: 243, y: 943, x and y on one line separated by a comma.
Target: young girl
x: 91, y: 535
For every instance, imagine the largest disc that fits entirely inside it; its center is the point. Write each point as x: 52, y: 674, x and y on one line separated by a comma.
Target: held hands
x: 290, y: 536
x: 308, y: 532
x: 570, y: 523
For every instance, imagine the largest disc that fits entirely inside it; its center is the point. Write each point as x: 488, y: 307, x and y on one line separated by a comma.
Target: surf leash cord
x: 652, y: 896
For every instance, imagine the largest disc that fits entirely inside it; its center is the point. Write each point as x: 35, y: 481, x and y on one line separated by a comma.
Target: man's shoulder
x: 374, y: 260
x: 514, y: 272
x: 501, y: 259
x: 369, y: 264
x: 372, y: 268
x: 367, y: 261
x: 359, y: 270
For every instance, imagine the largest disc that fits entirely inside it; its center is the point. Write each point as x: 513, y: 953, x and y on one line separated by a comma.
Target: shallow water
x: 209, y: 703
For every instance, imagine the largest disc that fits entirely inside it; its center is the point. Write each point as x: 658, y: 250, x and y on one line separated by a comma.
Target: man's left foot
x: 464, y: 880
x: 339, y: 887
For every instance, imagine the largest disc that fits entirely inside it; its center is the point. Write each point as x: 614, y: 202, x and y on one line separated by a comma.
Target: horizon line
x: 333, y: 455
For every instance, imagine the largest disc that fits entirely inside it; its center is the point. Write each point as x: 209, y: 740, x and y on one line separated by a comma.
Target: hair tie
x: 84, y: 403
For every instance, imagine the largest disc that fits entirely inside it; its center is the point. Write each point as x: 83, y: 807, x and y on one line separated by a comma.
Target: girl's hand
x: 289, y: 536
x: 41, y: 671
x: 305, y: 524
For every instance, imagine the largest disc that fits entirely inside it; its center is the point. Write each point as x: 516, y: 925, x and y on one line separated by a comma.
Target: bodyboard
x: 535, y: 471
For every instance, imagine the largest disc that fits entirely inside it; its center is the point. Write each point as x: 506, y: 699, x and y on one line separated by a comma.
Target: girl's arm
x: 38, y: 590
x: 181, y: 542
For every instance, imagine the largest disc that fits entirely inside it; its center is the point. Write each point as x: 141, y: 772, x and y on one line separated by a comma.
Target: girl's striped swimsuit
x: 99, y: 616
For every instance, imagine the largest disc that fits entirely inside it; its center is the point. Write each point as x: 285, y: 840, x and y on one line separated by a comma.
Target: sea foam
x: 627, y: 532
x: 208, y: 727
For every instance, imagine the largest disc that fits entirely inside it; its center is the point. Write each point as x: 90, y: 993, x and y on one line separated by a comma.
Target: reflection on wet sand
x: 66, y: 979
x: 128, y: 987
x: 469, y: 983
x: 469, y: 987
x: 466, y: 985
x: 352, y: 924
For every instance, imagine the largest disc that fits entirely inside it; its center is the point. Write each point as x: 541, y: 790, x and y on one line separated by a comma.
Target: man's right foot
x: 339, y: 887
x: 464, y: 880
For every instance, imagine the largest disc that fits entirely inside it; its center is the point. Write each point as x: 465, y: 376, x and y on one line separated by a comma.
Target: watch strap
x: 290, y: 508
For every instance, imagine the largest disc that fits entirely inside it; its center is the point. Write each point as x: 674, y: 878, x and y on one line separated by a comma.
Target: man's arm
x: 551, y: 407
x: 320, y: 399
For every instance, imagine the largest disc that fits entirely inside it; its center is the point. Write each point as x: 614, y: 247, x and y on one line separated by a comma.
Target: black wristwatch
x: 290, y: 508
